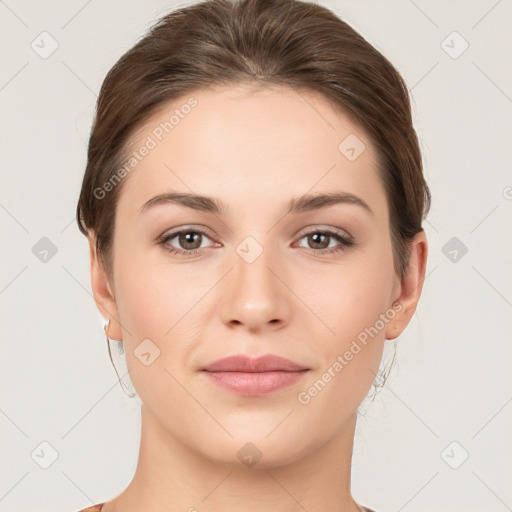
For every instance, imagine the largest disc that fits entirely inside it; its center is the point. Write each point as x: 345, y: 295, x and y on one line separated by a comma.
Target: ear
x: 410, y: 286
x: 103, y: 291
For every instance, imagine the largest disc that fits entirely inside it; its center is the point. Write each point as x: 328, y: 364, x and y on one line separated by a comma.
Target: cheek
x: 350, y: 357
x: 153, y: 299
x: 355, y: 306
x: 152, y: 294
x: 153, y: 303
x: 351, y: 296
x: 351, y: 354
x: 354, y: 318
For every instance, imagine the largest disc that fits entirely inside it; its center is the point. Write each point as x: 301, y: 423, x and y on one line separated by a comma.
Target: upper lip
x: 243, y: 363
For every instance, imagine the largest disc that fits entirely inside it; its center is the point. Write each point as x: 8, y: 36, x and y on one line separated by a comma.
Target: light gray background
x: 453, y: 378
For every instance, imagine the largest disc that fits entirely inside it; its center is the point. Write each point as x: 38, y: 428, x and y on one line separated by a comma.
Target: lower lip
x: 255, y: 384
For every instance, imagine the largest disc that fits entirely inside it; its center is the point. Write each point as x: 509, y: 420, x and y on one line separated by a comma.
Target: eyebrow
x: 297, y: 205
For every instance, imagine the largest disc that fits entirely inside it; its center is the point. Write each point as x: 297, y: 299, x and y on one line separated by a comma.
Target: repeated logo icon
x: 454, y: 45
x: 249, y: 249
x: 454, y: 249
x: 249, y: 454
x: 351, y: 147
x: 147, y: 352
x: 44, y: 250
x: 44, y: 45
x: 44, y: 455
x: 455, y: 455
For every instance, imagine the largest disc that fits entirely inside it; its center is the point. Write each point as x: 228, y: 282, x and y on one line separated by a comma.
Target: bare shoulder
x: 95, y: 508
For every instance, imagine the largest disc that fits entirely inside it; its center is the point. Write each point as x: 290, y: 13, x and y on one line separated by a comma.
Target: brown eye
x: 320, y: 242
x: 190, y: 239
x: 185, y: 242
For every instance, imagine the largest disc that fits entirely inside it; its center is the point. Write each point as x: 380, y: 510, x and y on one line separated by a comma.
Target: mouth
x: 255, y: 383
x: 254, y: 376
x: 247, y: 364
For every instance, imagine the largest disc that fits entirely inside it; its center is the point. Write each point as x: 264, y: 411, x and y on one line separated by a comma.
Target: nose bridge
x: 253, y: 295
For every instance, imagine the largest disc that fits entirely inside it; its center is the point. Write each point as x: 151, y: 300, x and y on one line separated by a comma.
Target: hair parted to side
x: 269, y: 42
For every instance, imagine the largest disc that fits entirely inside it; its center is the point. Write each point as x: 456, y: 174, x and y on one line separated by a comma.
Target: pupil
x: 315, y: 237
x: 189, y: 238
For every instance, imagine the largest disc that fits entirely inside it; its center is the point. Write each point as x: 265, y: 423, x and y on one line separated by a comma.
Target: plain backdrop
x: 435, y: 436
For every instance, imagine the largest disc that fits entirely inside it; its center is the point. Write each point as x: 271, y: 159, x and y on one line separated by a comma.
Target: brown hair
x: 283, y: 42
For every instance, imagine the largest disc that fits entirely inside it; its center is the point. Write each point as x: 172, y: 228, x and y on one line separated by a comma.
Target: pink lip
x: 243, y: 363
x: 254, y: 377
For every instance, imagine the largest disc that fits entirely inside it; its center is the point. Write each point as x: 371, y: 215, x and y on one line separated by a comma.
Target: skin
x: 254, y: 150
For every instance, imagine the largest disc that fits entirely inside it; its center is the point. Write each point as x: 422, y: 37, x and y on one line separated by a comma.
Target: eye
x: 190, y: 240
x: 320, y: 241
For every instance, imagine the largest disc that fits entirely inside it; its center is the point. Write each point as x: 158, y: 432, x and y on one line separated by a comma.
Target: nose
x: 253, y: 296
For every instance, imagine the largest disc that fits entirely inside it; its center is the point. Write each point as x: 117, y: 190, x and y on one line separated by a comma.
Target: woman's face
x: 252, y: 277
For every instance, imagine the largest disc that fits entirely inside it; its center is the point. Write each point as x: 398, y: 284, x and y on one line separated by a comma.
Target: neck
x: 172, y: 476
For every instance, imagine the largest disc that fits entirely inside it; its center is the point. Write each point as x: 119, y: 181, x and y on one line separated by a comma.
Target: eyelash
x: 344, y: 241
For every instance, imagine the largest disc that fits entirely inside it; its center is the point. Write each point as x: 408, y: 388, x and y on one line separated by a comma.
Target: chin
x: 252, y: 450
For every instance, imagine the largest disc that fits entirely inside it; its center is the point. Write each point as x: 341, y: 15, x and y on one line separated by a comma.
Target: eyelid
x: 344, y: 238
x: 304, y: 231
x: 196, y: 228
x: 324, y: 228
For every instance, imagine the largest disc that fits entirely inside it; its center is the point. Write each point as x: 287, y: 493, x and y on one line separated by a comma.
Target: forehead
x: 246, y: 143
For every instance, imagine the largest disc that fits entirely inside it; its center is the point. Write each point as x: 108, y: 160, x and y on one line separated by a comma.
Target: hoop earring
x: 105, y: 328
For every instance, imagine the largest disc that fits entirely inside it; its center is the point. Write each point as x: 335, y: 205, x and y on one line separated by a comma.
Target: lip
x: 254, y: 376
x: 246, y: 364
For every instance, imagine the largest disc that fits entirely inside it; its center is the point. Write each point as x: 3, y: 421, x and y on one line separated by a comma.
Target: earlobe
x: 410, y: 287
x: 102, y: 290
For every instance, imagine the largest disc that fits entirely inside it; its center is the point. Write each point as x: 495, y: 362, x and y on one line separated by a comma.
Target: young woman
x: 253, y: 200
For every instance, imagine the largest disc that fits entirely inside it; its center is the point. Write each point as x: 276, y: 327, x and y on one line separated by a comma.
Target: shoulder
x: 94, y: 508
